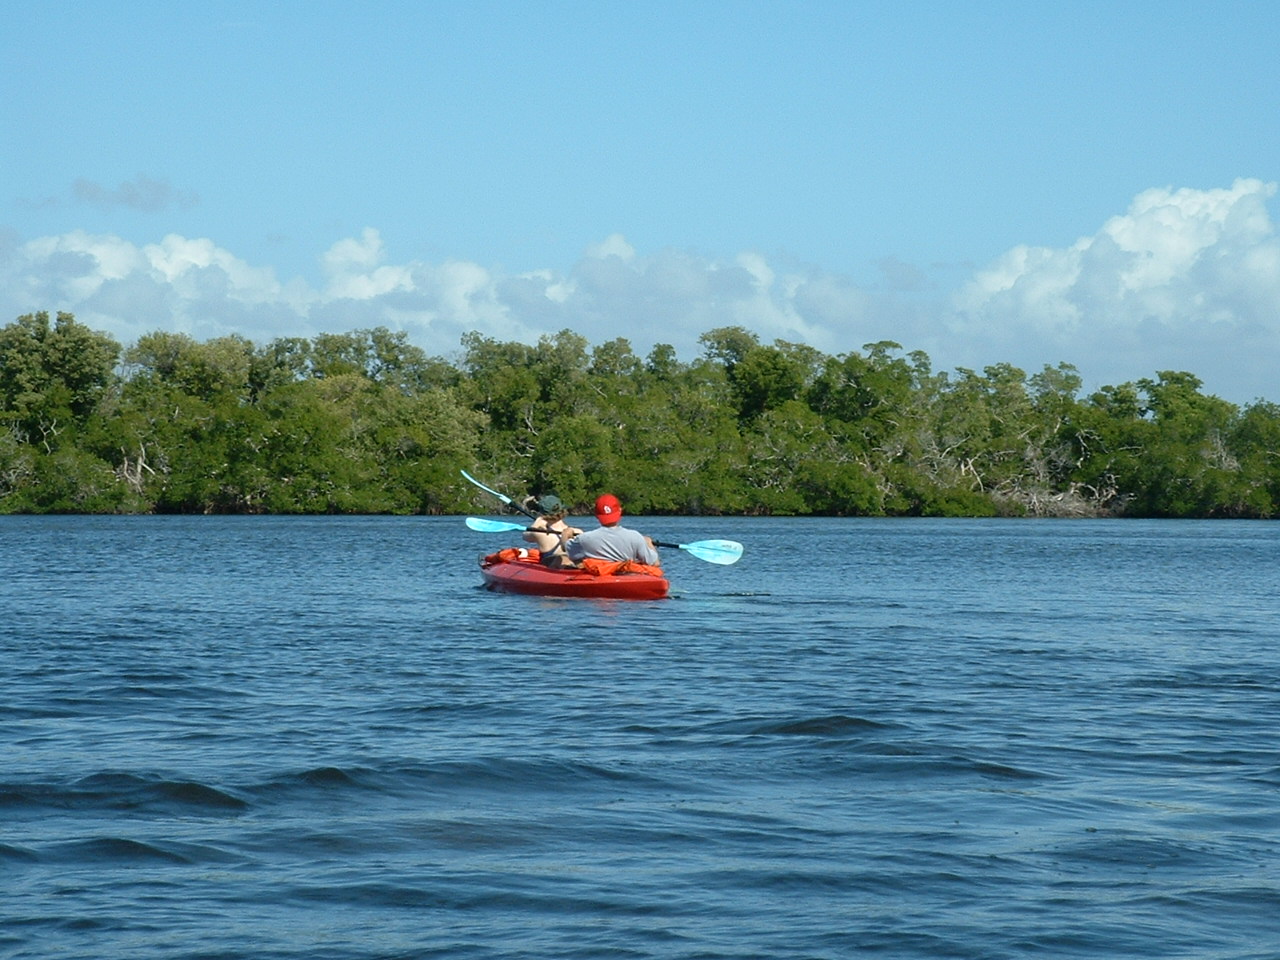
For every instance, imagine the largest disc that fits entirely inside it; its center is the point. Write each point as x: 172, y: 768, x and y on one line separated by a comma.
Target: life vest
x: 512, y: 553
x: 608, y: 568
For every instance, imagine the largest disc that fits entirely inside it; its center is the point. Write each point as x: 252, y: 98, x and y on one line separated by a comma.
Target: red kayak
x: 508, y: 572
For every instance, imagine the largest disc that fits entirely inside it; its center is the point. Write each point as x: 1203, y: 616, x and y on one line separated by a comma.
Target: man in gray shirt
x: 611, y: 540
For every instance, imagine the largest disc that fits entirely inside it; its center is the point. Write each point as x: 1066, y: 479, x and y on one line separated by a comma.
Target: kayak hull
x: 528, y: 576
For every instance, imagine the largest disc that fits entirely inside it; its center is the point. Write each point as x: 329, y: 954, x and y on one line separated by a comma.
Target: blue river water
x: 320, y: 738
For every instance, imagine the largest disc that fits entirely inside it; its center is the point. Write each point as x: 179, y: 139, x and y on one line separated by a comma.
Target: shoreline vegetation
x: 364, y: 423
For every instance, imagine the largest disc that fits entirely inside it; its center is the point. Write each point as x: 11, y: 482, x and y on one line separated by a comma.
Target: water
x: 318, y: 738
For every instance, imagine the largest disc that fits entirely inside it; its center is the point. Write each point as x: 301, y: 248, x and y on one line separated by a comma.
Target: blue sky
x: 1091, y: 183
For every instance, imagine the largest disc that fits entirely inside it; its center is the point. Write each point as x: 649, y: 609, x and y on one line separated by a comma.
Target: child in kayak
x: 611, y: 540
x: 550, y: 532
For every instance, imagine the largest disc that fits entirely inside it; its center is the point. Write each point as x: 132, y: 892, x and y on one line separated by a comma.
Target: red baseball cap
x: 608, y: 509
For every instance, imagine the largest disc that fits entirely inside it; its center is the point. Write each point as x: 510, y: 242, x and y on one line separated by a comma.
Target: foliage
x: 364, y: 422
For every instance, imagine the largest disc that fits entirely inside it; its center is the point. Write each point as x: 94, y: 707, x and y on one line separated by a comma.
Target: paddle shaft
x: 501, y: 496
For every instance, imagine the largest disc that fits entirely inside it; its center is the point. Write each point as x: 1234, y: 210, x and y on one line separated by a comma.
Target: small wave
x: 1139, y: 852
x: 16, y: 854
x: 1210, y: 679
x: 1270, y: 777
x: 378, y: 894
x: 316, y: 781
x: 483, y: 773
x: 790, y: 882
x: 116, y: 850
x: 133, y: 792
x: 122, y: 791
x: 837, y: 724
x: 905, y: 761
x: 482, y: 710
x: 192, y: 794
x: 34, y: 713
x: 328, y: 777
x: 1003, y: 771
x: 551, y: 774
x: 465, y: 896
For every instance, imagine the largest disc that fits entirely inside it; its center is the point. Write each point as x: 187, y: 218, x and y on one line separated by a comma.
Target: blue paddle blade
x: 723, y: 552
x: 492, y: 526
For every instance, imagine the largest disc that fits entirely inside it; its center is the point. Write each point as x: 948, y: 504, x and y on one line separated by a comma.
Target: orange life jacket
x: 512, y: 553
x: 608, y: 568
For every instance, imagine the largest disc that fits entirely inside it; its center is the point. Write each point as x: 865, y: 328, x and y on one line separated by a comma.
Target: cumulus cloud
x: 1184, y: 279
x: 128, y: 290
x: 356, y: 271
x: 614, y: 245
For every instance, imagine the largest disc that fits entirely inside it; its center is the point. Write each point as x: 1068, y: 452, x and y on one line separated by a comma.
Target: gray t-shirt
x: 617, y: 543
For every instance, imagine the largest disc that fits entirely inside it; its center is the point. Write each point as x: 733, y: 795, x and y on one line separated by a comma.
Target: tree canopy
x: 366, y: 422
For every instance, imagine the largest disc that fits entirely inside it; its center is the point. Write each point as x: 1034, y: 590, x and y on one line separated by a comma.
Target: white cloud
x: 180, y: 262
x: 1184, y: 279
x: 355, y: 272
x: 614, y: 245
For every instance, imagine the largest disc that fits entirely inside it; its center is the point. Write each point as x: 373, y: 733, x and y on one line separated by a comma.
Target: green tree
x: 869, y: 395
x: 796, y: 465
x: 1254, y: 443
x: 728, y: 346
x: 218, y: 368
x: 52, y: 375
x: 366, y: 422
x: 1186, y: 469
x: 760, y: 377
x: 379, y: 355
x: 766, y: 378
x: 500, y: 383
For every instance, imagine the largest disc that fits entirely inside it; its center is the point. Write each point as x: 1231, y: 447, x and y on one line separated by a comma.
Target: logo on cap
x: 608, y: 509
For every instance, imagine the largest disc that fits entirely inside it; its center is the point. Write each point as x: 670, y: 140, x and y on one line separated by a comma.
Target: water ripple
x: 288, y: 738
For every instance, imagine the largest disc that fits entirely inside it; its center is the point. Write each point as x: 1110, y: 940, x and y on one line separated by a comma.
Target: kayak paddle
x: 501, y: 496
x: 493, y: 526
x: 723, y: 552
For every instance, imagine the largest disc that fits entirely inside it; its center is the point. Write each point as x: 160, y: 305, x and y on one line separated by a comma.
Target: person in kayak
x: 611, y: 540
x: 550, y: 532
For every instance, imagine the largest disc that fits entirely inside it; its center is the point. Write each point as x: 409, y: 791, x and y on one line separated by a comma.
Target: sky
x: 1091, y: 183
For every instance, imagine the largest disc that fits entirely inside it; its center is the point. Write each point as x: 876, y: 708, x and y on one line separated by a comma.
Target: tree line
x: 365, y: 422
